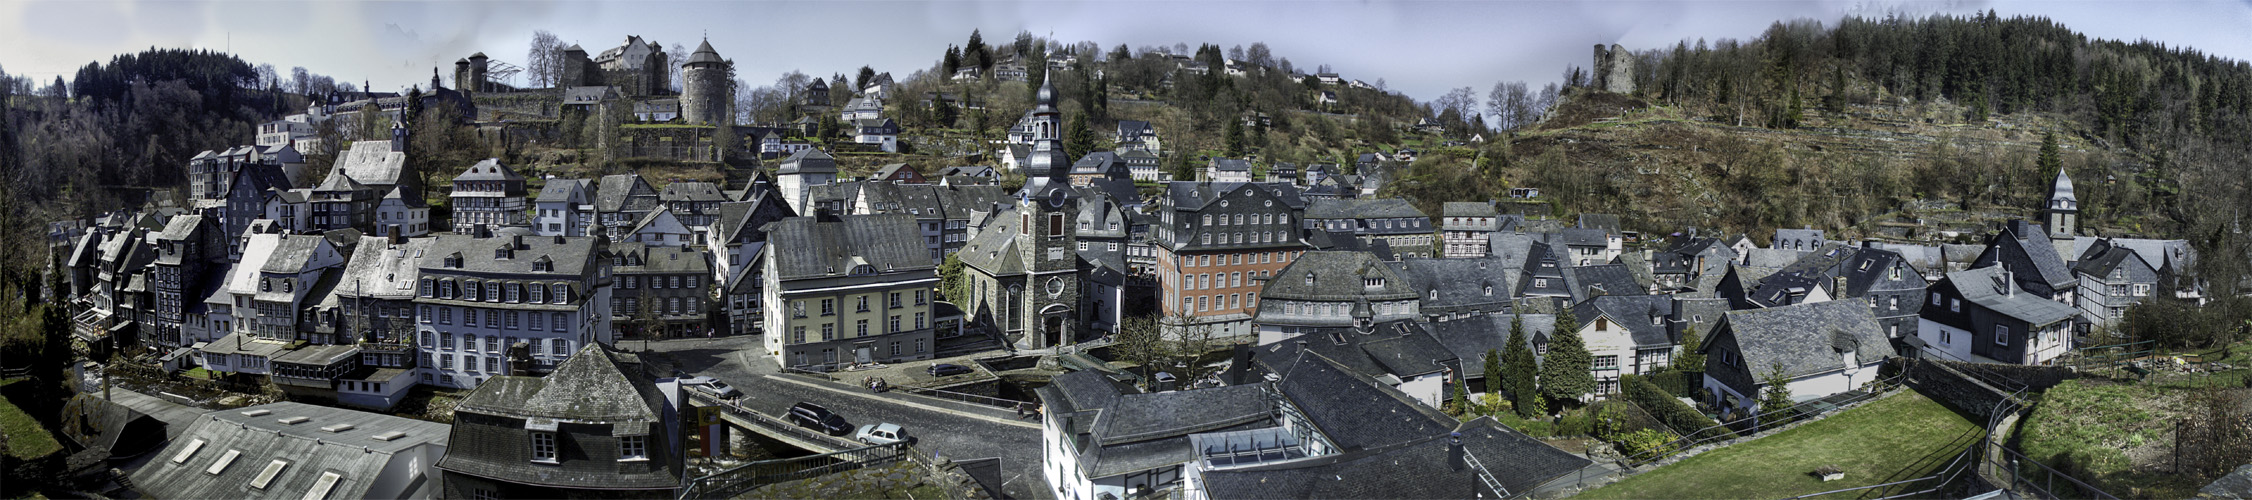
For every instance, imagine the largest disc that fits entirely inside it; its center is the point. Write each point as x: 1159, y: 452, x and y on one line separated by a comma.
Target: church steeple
x: 1048, y: 170
x: 2064, y: 209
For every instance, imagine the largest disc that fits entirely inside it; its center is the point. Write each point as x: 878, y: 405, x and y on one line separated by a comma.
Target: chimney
x: 2003, y: 282
x: 396, y: 238
x: 516, y: 242
x: 1455, y: 460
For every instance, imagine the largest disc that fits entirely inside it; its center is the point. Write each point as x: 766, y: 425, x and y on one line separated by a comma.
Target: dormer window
x: 1372, y: 282
x: 1489, y: 290
x: 454, y: 260
x: 1309, y: 279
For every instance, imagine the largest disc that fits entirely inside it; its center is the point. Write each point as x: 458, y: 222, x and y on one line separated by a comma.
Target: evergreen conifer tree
x: 1564, y: 374
x: 1520, y: 369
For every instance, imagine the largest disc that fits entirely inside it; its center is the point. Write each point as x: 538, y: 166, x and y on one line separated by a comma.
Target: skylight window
x: 266, y: 477
x: 322, y: 486
x: 188, y: 451
x: 221, y: 464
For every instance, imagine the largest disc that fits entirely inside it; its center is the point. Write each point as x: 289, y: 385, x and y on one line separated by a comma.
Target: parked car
x: 813, y: 416
x: 721, y: 389
x: 711, y: 386
x: 881, y: 434
x: 947, y: 369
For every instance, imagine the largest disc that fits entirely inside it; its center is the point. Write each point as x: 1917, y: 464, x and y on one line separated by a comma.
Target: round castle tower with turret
x: 704, y: 95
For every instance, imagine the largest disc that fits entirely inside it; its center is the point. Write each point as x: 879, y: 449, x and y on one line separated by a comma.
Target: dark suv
x: 813, y: 416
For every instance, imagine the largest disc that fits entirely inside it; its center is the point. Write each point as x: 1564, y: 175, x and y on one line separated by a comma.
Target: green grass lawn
x: 26, y: 438
x: 1901, y: 437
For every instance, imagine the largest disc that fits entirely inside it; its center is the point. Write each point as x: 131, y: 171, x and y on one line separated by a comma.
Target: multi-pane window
x: 633, y: 447
x: 543, y: 446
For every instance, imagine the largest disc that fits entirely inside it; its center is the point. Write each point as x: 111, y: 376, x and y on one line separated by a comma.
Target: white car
x: 881, y: 434
x: 712, y: 386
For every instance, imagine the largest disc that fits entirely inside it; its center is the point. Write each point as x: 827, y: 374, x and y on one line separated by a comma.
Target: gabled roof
x: 1353, y: 411
x: 1986, y: 287
x: 624, y: 192
x: 1231, y: 165
x: 308, y: 450
x: 1470, y: 338
x: 1806, y: 339
x: 380, y: 269
x: 373, y: 162
x: 886, y: 242
x: 1467, y: 209
x: 2021, y: 244
x: 1605, y: 279
x: 407, y: 196
x: 572, y: 191
x: 1116, y: 433
x: 1422, y: 467
x: 1643, y: 316
x: 595, y: 385
x: 994, y: 251
x: 491, y: 169
x: 1337, y: 276
x: 809, y: 161
x: 1460, y: 282
x: 1370, y: 208
x: 691, y: 191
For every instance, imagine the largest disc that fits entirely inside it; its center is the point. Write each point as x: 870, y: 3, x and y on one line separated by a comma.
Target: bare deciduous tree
x: 544, y: 63
x: 1510, y: 105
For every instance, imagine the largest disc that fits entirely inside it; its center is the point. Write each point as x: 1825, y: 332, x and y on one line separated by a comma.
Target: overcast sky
x: 1419, y: 48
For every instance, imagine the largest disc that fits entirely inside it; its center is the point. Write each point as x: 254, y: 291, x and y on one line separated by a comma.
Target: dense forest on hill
x: 1846, y: 126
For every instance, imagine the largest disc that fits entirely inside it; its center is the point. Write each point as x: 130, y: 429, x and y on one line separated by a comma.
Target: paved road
x: 945, y: 428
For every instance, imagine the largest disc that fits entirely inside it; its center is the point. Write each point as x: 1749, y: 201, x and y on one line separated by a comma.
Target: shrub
x: 1673, y: 381
x: 1572, y: 423
x: 1645, y: 443
x: 1666, y: 409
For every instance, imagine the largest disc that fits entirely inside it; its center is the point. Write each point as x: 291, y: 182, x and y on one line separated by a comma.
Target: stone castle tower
x: 1048, y: 206
x: 1614, y: 69
x: 704, y: 96
x: 469, y: 74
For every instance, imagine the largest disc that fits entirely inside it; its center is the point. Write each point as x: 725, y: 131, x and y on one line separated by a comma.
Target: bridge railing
x: 774, y: 425
x: 736, y: 480
x: 967, y: 397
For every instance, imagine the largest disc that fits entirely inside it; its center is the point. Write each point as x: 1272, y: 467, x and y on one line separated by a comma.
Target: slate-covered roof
x: 1401, y: 349
x: 1984, y: 286
x: 491, y: 169
x: 624, y: 192
x: 1337, y: 276
x: 372, y: 162
x: 1467, y: 209
x: 595, y: 386
x: 1643, y: 316
x: 1423, y: 467
x: 809, y: 161
x: 1354, y: 411
x: 571, y: 255
x: 572, y: 191
x: 1231, y: 165
x: 1460, y: 283
x: 2098, y: 260
x: 1117, y: 433
x: 1372, y: 208
x: 1470, y: 338
x: 1807, y: 338
x: 1608, y: 279
x: 705, y: 54
x: 691, y: 191
x: 888, y: 242
x: 291, y: 254
x: 307, y: 448
x: 2022, y: 245
x: 95, y: 422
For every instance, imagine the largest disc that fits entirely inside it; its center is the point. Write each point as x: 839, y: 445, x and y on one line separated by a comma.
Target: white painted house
x: 1823, y: 348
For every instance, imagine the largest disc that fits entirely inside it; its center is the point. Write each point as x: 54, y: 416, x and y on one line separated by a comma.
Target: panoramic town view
x: 1099, y: 250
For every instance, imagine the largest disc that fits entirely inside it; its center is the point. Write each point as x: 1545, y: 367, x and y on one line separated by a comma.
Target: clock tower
x: 1047, y: 239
